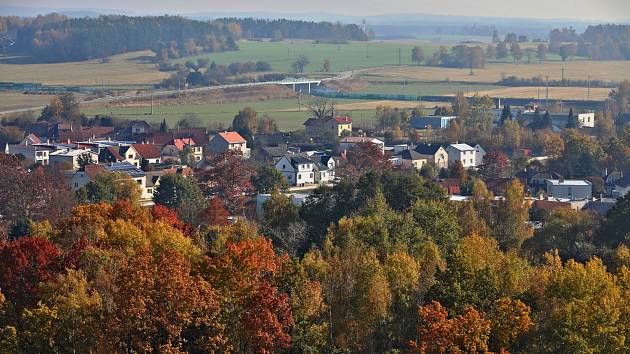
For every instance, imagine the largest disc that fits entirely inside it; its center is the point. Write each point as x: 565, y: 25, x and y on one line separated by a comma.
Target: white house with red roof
x: 151, y: 153
x: 225, y: 141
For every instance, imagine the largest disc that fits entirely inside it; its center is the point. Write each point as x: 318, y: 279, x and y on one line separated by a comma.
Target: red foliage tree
x: 468, y: 333
x: 169, y: 216
x: 216, y: 214
x: 267, y: 320
x: 32, y: 194
x: 495, y: 165
x: 161, y: 307
x: 229, y: 177
x: 24, y: 263
x: 244, y: 275
x: 363, y: 158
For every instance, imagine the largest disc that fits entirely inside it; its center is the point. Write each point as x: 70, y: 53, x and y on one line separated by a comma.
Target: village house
x: 172, y: 150
x: 147, y: 154
x: 72, y: 158
x: 622, y: 187
x: 315, y: 127
x: 412, y: 158
x: 435, y: 153
x: 350, y: 142
x: 463, y: 153
x: 569, y: 189
x: 138, y: 128
x: 297, y: 170
x: 229, y: 141
x: 324, y: 168
x: 32, y: 154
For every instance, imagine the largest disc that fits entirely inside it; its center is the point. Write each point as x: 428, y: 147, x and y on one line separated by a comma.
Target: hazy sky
x: 574, y: 9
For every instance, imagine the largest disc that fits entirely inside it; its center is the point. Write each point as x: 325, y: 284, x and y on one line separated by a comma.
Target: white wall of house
x: 467, y: 156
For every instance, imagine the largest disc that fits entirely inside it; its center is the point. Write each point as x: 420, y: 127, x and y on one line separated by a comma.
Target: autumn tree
x: 24, y: 264
x: 460, y: 105
x: 495, y: 165
x: 257, y: 314
x: 67, y: 318
x: 363, y: 158
x: 467, y: 333
x: 510, y: 320
x: 512, y: 214
x: 583, y: 307
x: 35, y: 194
x: 216, y: 214
x: 246, y: 122
x: 228, y: 177
x: 161, y: 306
x: 109, y: 187
x: 516, y: 52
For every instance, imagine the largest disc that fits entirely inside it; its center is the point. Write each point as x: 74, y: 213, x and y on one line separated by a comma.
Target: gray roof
x: 427, y: 149
x: 126, y: 168
x: 300, y: 160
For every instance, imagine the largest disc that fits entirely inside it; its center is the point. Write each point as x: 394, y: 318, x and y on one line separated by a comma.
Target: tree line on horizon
x: 58, y: 38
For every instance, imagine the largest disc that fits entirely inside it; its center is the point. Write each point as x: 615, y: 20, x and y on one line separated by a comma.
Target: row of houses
x: 145, y: 162
x: 559, y: 120
x: 442, y: 156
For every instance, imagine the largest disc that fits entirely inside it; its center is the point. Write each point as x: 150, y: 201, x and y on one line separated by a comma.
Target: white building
x: 569, y: 189
x: 463, y: 153
x: 297, y: 170
x: 71, y: 158
x: 480, y: 153
x: 33, y: 154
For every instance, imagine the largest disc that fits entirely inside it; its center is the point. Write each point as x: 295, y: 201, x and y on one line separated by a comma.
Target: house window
x: 311, y: 175
x: 139, y: 181
x: 284, y: 166
x: 299, y: 176
x: 76, y: 185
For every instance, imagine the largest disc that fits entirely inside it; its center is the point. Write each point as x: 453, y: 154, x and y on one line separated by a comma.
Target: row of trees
x: 279, y: 29
x: 204, y: 73
x: 601, y: 42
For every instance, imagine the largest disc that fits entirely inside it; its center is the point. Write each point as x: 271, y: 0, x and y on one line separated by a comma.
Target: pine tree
x: 506, y: 114
x: 163, y: 126
x: 572, y: 121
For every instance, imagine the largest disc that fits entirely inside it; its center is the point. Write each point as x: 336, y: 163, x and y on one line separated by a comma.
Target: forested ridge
x: 57, y: 38
x: 283, y: 28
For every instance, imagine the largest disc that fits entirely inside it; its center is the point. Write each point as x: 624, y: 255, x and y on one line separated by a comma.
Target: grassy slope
x: 128, y: 68
x: 342, y: 57
x: 283, y: 111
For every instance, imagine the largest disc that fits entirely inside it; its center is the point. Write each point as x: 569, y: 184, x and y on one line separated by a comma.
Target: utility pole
x: 563, y: 74
x: 547, y: 95
x: 151, y: 102
x: 588, y: 95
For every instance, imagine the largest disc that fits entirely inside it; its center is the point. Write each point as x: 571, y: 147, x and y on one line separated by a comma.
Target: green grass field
x: 285, y: 112
x: 349, y: 56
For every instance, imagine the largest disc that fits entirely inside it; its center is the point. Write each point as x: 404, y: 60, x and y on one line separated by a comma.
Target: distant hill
x: 58, y: 38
